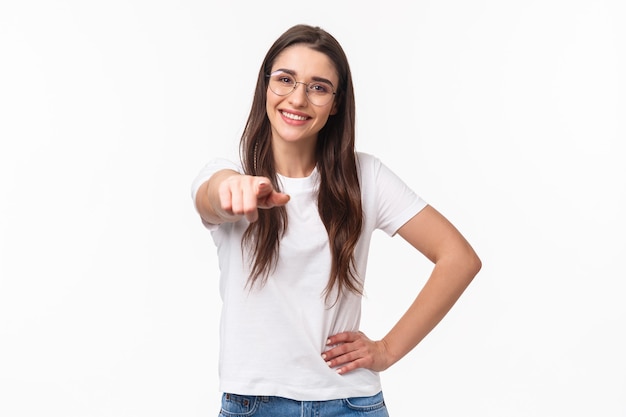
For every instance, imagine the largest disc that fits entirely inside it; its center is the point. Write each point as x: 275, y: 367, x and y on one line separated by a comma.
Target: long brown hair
x: 339, y: 195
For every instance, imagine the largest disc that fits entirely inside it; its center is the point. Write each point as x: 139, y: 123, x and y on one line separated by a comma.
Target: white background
x: 507, y: 116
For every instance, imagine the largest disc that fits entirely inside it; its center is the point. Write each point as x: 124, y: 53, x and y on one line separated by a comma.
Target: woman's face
x: 294, y: 119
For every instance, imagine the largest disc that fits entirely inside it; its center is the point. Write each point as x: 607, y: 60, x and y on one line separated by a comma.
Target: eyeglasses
x: 319, y: 93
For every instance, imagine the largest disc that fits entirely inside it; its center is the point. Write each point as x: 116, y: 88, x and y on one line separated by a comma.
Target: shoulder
x: 371, y: 167
x: 217, y: 164
x: 367, y: 163
x: 373, y: 172
x: 211, y: 168
x: 364, y: 157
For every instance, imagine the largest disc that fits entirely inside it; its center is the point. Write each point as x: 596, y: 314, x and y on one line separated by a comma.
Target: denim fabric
x: 234, y: 405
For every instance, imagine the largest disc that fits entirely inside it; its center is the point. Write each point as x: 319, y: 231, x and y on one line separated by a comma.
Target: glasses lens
x: 282, y: 83
x: 319, y: 93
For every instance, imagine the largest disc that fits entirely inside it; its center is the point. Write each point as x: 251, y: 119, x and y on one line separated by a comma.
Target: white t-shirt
x: 272, y: 336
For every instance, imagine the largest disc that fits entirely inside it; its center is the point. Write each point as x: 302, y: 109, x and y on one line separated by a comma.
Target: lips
x: 293, y: 116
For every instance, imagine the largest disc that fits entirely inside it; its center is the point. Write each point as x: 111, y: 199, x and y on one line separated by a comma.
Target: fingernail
x: 328, y: 363
x: 328, y: 341
x: 339, y: 371
x: 323, y: 356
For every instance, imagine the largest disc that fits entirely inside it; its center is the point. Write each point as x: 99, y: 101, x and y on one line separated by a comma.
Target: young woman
x: 292, y: 223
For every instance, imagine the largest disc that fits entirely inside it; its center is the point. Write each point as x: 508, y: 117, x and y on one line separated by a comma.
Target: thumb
x: 268, y: 197
x: 278, y: 199
x: 264, y: 189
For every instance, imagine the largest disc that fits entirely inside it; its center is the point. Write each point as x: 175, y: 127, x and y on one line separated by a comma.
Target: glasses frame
x: 306, y: 87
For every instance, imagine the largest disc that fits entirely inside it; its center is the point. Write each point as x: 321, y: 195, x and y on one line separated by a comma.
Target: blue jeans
x: 234, y: 405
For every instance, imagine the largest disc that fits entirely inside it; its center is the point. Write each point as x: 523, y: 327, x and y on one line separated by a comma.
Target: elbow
x: 467, y: 262
x: 474, y: 264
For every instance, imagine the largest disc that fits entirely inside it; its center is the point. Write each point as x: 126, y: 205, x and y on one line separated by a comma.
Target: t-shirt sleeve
x: 387, y: 197
x: 205, y: 173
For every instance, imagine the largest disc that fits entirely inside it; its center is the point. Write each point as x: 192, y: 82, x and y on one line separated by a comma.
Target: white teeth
x: 293, y: 116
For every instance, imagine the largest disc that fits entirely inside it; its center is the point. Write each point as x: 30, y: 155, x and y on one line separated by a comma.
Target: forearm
x: 448, y: 281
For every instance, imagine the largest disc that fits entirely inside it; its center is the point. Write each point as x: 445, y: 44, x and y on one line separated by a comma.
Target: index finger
x: 343, y: 337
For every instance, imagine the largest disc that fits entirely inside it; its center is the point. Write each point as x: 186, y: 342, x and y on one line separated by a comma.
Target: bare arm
x: 456, y: 264
x: 228, y: 196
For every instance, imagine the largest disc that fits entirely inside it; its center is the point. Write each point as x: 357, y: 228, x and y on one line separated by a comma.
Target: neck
x: 294, y: 161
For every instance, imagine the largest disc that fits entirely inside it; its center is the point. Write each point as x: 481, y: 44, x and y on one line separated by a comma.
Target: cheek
x: 270, y: 102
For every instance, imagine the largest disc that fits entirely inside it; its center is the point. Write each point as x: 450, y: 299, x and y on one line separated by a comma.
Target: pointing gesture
x: 228, y: 196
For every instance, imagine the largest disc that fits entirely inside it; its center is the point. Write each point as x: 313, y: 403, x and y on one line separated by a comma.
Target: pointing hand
x: 243, y: 195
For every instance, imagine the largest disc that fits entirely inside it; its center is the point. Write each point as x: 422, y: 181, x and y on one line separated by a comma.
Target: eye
x: 285, y: 79
x: 320, y: 88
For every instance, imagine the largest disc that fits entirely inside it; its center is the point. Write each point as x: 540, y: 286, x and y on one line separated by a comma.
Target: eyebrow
x: 292, y: 72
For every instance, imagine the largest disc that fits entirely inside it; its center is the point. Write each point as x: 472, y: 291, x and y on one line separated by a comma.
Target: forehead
x: 306, y: 63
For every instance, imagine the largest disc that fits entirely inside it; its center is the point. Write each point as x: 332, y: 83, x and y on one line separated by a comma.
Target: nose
x: 298, y: 96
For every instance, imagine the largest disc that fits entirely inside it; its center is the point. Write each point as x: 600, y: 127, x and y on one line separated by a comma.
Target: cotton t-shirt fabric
x: 272, y: 336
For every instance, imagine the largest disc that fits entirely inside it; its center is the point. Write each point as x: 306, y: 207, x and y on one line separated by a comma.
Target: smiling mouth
x: 293, y: 116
